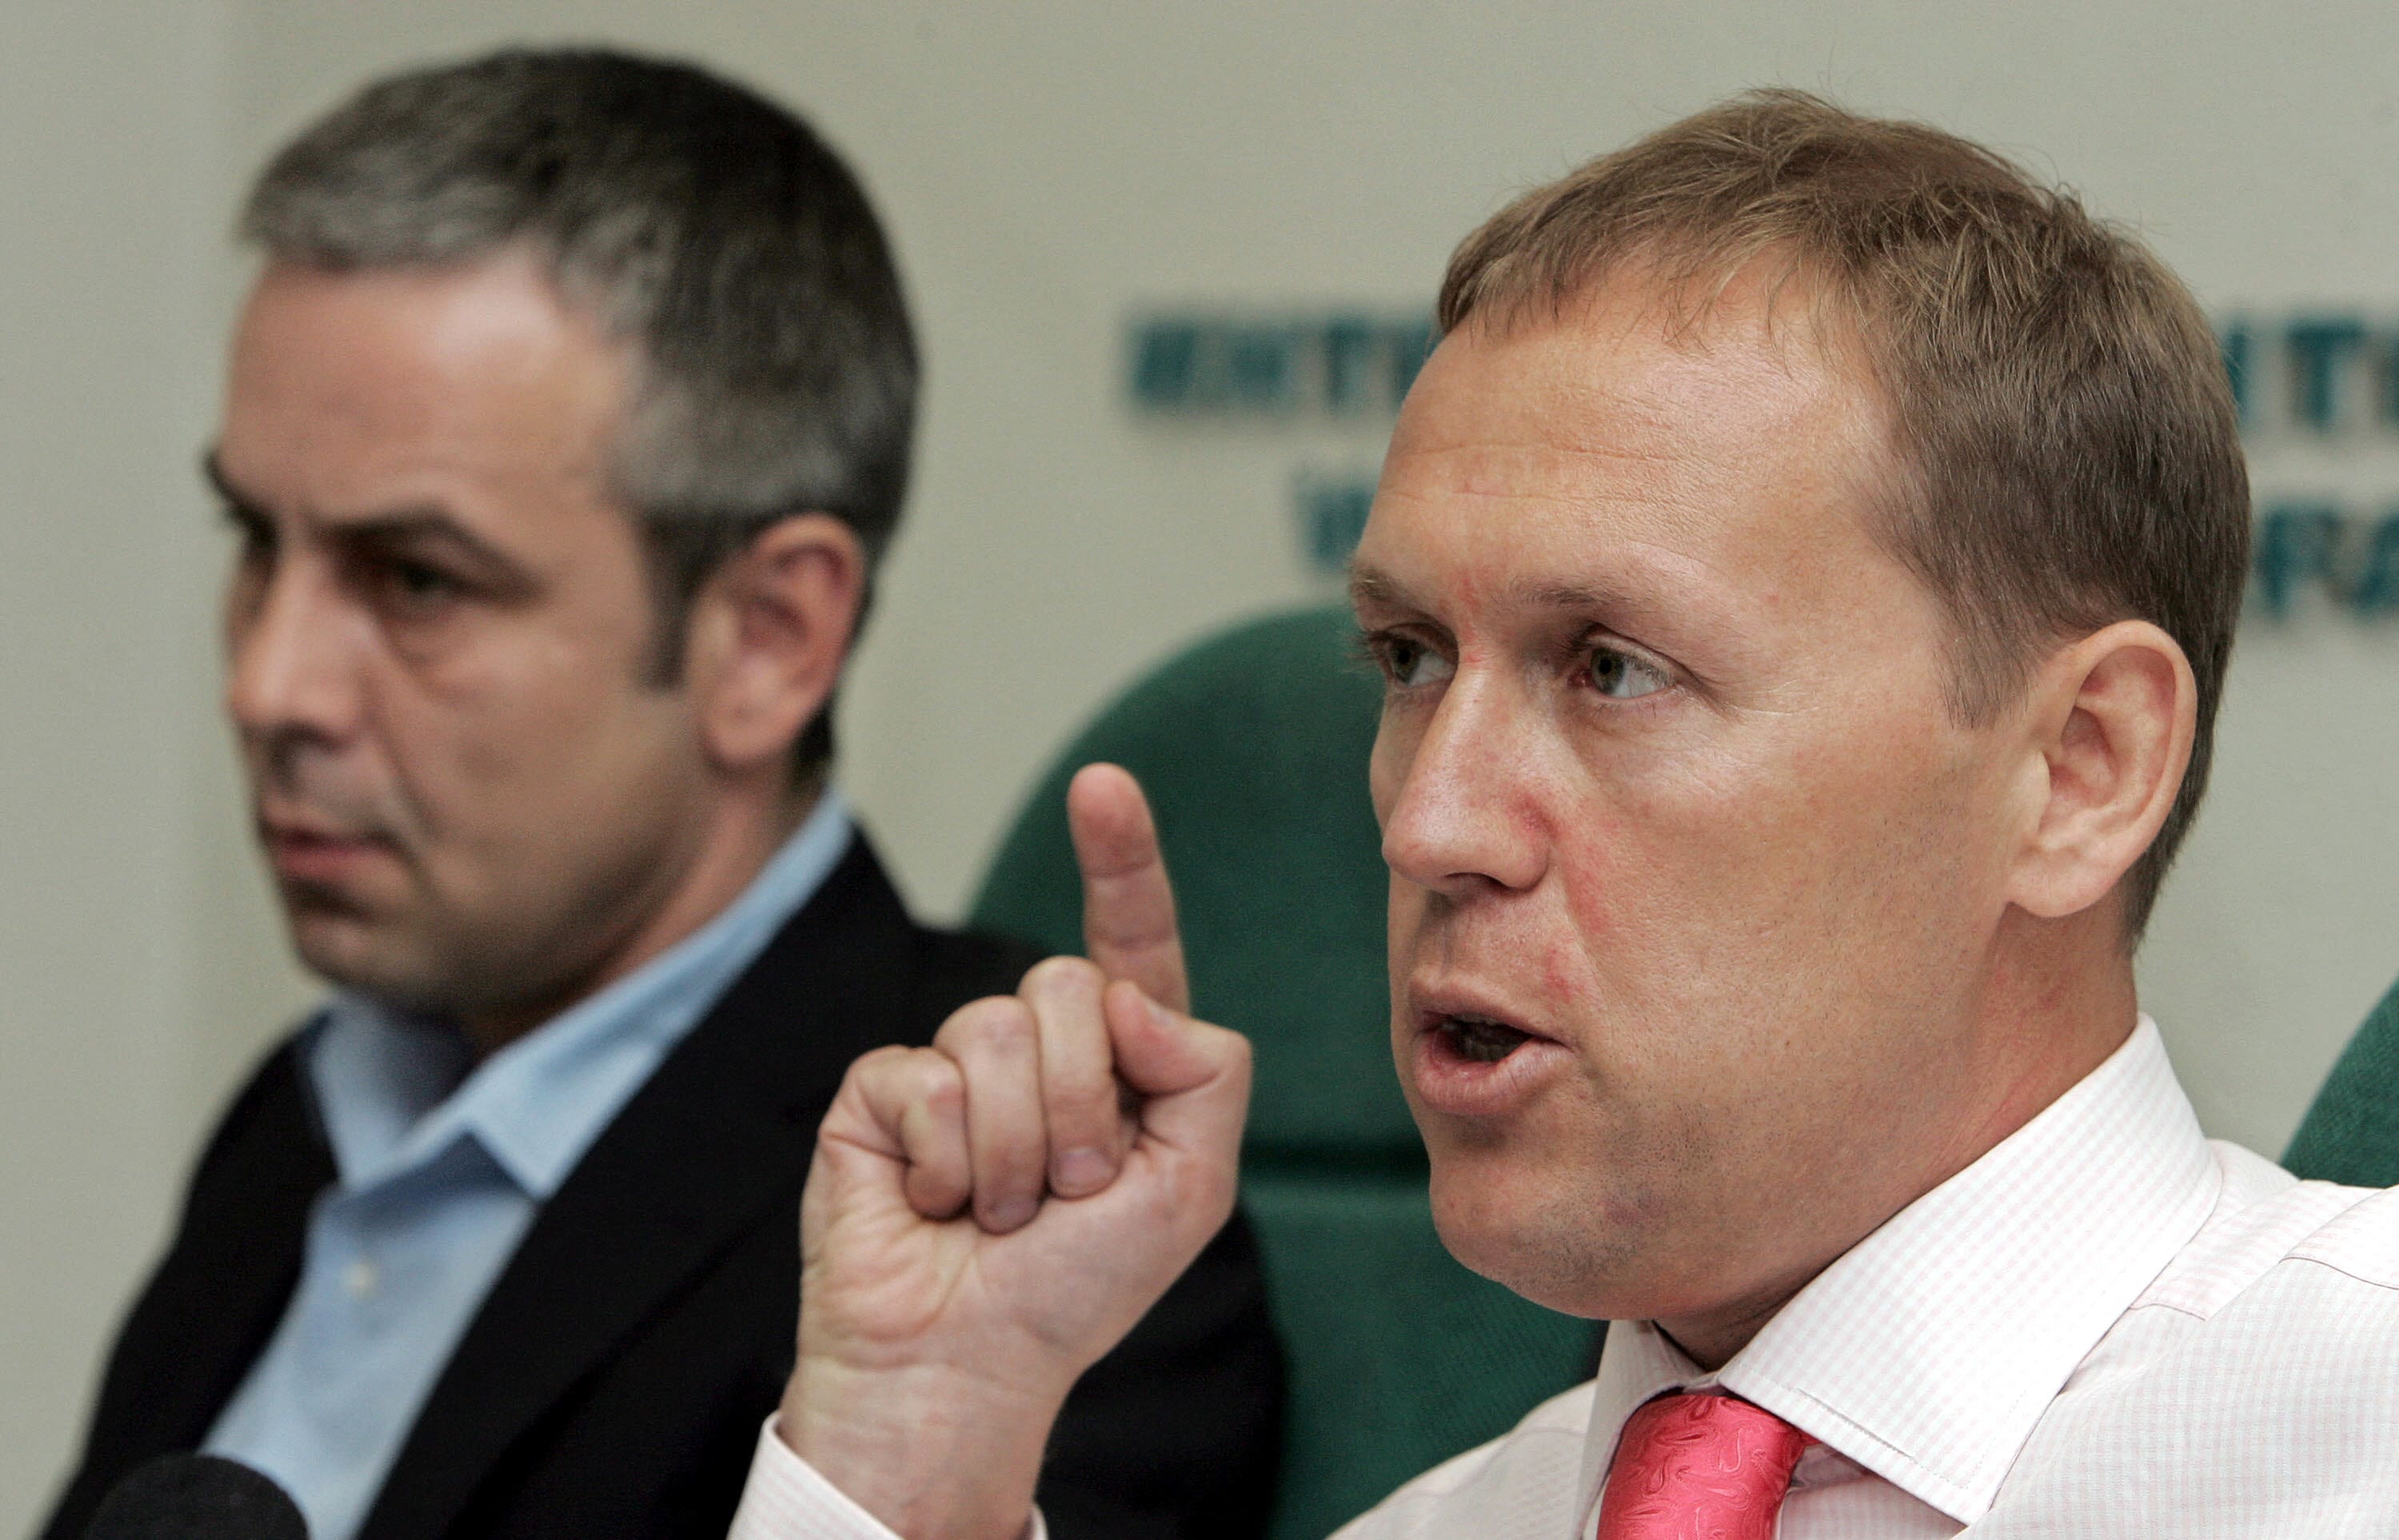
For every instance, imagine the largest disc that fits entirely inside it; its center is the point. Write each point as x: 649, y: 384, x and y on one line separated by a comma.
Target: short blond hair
x: 2065, y: 447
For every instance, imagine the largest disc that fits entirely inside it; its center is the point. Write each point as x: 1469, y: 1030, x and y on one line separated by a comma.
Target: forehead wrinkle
x: 1613, y: 490
x: 1628, y: 445
x: 1597, y: 498
x: 1620, y: 496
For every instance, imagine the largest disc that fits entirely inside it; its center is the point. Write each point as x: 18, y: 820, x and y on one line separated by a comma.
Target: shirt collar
x: 1928, y: 1351
x: 395, y: 1091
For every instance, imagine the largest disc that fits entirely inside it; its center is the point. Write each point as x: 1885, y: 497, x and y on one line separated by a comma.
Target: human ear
x: 769, y: 635
x: 2113, y: 716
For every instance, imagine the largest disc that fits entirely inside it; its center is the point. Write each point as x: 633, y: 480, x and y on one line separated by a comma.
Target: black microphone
x: 197, y: 1497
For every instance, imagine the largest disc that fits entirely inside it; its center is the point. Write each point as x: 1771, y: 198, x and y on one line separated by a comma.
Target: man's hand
x: 985, y: 1217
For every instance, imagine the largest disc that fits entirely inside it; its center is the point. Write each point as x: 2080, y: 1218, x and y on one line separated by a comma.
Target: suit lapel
x: 722, y: 1132
x: 217, y: 1295
x: 246, y: 1236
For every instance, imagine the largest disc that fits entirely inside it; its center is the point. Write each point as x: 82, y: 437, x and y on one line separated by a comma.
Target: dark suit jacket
x: 615, y: 1378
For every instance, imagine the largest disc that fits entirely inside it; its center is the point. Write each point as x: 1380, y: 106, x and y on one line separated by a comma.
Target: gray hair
x: 776, y: 372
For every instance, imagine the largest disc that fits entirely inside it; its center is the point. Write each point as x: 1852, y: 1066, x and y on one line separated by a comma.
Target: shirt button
x: 359, y: 1279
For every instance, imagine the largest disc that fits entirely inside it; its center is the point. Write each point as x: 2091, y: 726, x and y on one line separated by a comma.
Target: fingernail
x: 1014, y: 1214
x: 1079, y: 1171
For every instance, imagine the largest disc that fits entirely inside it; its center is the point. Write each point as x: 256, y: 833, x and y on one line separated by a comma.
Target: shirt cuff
x: 785, y: 1499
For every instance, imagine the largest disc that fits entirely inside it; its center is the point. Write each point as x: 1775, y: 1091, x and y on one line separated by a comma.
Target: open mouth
x: 1468, y: 1063
x: 1481, y: 1039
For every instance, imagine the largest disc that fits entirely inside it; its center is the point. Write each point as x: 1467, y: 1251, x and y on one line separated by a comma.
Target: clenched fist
x: 986, y: 1217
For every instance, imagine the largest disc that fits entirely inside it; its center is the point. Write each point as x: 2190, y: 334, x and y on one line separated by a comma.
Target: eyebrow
x: 401, y: 526
x: 1574, y: 595
x: 1371, y: 585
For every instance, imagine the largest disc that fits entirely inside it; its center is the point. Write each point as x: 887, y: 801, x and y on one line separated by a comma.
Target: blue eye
x: 1620, y: 676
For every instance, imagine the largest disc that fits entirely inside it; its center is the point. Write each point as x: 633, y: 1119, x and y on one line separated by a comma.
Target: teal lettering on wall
x: 2311, y: 547
x: 1332, y: 517
x: 2318, y: 393
x: 2293, y: 548
x: 2319, y: 372
x: 2323, y: 353
x: 2376, y: 590
x: 1340, y: 363
x: 2322, y: 379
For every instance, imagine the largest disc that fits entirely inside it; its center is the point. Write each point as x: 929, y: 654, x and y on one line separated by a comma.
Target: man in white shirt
x: 1804, y: 576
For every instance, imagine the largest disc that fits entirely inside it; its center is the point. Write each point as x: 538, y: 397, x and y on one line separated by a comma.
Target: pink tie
x: 1699, y: 1468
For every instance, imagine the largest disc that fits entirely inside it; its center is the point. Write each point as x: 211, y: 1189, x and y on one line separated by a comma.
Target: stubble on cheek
x: 1565, y: 1202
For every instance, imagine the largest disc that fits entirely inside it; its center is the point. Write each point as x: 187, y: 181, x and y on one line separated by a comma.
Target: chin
x: 1503, y: 1222
x: 348, y: 952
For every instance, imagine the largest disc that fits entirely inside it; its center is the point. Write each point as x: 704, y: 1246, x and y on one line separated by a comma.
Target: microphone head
x: 197, y: 1497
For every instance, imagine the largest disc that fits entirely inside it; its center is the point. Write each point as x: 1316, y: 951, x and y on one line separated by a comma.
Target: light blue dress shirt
x: 441, y: 1164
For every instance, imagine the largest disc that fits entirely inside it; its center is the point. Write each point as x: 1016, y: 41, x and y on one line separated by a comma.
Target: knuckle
x: 1083, y: 1090
x: 937, y: 1081
x: 1011, y: 1164
x: 996, y: 1024
x: 1230, y: 1050
x: 880, y: 1068
x: 1081, y: 1086
x: 1053, y: 977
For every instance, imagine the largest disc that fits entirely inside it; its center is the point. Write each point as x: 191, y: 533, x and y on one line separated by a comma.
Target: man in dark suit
x: 565, y: 423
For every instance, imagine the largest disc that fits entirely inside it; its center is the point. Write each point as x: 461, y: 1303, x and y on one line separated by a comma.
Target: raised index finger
x: 1128, y: 906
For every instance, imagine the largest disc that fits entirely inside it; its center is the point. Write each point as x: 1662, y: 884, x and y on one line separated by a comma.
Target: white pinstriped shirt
x: 2107, y: 1326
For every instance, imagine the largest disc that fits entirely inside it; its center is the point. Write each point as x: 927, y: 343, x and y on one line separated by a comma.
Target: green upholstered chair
x: 2351, y: 1131
x: 1252, y: 747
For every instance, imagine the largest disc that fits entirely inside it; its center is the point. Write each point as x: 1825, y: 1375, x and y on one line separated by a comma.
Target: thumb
x: 1194, y: 1078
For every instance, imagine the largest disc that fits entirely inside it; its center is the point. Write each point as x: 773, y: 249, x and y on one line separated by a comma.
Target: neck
x: 728, y: 858
x: 2055, y: 1002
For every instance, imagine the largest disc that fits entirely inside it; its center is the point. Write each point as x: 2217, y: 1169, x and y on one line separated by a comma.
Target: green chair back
x: 2351, y: 1131
x: 1253, y: 747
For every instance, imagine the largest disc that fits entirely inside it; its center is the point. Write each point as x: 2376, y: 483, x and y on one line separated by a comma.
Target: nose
x: 289, y: 677
x: 1465, y: 816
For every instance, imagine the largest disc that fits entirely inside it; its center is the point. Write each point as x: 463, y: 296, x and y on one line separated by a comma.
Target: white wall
x: 108, y: 115
x: 1051, y: 168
